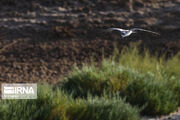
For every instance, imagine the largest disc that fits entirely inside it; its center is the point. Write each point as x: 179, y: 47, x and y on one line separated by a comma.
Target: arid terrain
x: 41, y: 41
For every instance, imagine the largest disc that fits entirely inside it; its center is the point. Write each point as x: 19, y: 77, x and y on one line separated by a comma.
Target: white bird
x: 126, y: 33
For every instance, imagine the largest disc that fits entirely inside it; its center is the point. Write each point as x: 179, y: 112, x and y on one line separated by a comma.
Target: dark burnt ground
x: 43, y: 40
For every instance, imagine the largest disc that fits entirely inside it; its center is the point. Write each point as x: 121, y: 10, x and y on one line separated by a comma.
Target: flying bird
x: 126, y: 33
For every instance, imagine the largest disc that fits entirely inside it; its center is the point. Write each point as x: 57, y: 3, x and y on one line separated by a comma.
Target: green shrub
x: 176, y: 90
x: 95, y: 108
x: 144, y: 62
x: 109, y: 76
x: 173, y: 83
x: 56, y: 105
x: 172, y: 66
x: 140, y: 89
x: 37, y: 109
x: 156, y: 97
x: 145, y: 80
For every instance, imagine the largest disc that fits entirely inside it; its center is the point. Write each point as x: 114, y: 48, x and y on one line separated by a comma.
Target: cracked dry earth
x: 41, y: 41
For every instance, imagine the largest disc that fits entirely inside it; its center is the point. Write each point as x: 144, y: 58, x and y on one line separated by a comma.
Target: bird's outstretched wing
x: 114, y: 29
x: 139, y: 29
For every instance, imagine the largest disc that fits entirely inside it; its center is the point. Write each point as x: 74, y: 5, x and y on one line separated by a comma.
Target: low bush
x: 154, y: 96
x: 56, y: 105
x: 95, y: 108
x: 143, y: 79
x: 109, y: 76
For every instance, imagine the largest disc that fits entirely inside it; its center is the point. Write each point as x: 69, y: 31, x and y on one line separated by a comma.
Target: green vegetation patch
x: 37, y: 109
x: 145, y: 81
x: 95, y: 108
x: 56, y: 105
